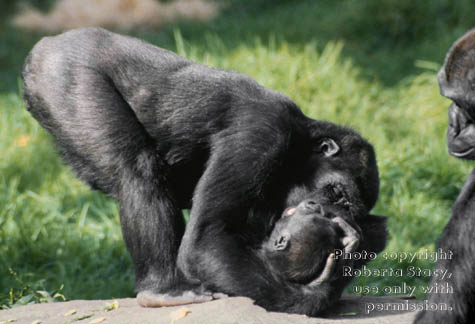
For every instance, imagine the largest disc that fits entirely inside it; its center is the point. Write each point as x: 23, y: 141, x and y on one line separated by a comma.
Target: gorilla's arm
x: 210, y: 250
x: 458, y: 237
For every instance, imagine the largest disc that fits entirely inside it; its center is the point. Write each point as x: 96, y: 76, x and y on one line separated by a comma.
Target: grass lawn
x: 368, y: 65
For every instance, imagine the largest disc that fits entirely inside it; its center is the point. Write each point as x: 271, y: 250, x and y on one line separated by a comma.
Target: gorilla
x: 160, y: 133
x: 302, y: 241
x: 457, y: 82
x: 300, y: 247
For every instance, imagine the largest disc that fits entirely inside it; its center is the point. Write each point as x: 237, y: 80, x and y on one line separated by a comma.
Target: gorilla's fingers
x: 326, y: 273
x: 347, y: 228
x: 351, y: 240
x: 150, y: 299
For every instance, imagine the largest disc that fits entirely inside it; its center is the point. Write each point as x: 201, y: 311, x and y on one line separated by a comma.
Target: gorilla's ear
x: 457, y: 76
x: 375, y: 233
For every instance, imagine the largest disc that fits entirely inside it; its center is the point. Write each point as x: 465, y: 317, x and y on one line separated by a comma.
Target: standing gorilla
x: 457, y: 82
x: 161, y: 133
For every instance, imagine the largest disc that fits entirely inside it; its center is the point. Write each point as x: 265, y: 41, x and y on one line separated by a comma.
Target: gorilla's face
x: 342, y: 171
x: 302, y: 240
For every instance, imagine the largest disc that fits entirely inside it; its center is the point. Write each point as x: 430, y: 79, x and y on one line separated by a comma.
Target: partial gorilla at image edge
x: 457, y: 82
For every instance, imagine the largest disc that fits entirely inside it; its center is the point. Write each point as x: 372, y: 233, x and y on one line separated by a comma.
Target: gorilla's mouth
x: 463, y: 153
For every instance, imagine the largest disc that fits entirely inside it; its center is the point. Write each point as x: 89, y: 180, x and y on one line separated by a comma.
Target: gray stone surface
x: 236, y: 310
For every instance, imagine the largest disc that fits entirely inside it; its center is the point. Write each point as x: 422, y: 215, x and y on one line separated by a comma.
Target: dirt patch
x: 117, y: 14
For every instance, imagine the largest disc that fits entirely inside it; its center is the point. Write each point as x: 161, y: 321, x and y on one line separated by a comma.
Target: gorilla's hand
x: 351, y: 238
x: 351, y: 241
x: 327, y: 274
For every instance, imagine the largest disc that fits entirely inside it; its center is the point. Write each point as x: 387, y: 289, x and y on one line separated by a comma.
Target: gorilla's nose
x: 310, y: 206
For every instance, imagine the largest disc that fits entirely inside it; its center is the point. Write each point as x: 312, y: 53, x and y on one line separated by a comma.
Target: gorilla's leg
x: 101, y: 138
x: 152, y: 227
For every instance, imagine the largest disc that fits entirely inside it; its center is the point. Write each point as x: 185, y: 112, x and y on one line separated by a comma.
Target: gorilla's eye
x: 328, y: 147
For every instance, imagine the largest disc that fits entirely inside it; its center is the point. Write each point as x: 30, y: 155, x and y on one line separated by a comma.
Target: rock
x: 235, y: 310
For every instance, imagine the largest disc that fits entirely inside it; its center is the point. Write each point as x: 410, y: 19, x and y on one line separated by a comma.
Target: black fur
x: 457, y: 82
x: 161, y: 133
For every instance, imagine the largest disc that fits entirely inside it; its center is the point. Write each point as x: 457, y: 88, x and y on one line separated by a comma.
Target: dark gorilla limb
x: 457, y: 82
x: 161, y: 133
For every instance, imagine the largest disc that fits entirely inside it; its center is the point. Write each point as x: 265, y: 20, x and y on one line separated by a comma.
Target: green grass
x: 347, y: 62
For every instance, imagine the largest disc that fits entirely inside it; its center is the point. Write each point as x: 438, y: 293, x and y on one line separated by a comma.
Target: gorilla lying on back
x: 457, y: 82
x: 301, y: 246
x: 303, y: 240
x: 160, y: 133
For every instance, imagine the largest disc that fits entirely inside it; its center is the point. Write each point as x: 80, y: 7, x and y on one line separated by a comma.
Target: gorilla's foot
x: 148, y: 298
